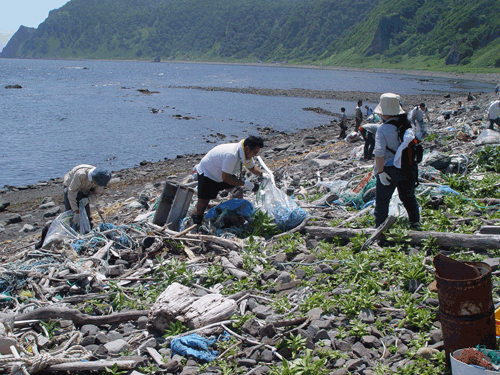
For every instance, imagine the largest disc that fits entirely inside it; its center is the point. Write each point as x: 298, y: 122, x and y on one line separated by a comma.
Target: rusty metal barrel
x: 466, y: 311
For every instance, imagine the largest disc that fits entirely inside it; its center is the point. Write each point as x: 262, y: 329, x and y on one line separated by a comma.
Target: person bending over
x: 222, y: 168
x: 83, y: 184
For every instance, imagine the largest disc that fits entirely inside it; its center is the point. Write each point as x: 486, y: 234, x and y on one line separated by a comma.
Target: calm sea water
x: 73, y: 112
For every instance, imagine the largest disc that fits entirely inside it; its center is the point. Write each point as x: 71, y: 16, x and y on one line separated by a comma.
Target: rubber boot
x: 197, y: 219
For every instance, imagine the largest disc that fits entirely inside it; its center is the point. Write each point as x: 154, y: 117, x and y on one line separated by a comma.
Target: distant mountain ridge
x: 420, y: 34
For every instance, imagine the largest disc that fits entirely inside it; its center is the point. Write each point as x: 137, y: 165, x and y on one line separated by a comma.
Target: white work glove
x: 248, y: 185
x: 384, y: 178
x: 84, y: 201
x: 266, y: 176
x: 76, y: 218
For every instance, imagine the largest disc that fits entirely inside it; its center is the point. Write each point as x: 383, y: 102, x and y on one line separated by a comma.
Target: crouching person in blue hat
x: 82, y: 185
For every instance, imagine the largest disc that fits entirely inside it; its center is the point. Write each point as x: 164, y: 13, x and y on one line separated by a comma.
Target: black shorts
x: 208, y: 188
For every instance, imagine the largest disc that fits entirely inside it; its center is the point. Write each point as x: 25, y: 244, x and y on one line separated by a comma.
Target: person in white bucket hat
x: 389, y: 176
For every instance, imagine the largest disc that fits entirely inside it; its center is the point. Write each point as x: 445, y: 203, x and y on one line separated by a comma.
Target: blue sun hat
x: 100, y: 176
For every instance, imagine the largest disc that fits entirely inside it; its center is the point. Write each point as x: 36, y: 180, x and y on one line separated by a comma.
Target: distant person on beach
x: 358, y: 115
x: 368, y: 132
x: 342, y: 123
x: 470, y: 97
x: 497, y: 88
x: 222, y: 169
x: 369, y: 111
x: 416, y: 117
x: 494, y: 113
x: 82, y: 185
x: 388, y: 166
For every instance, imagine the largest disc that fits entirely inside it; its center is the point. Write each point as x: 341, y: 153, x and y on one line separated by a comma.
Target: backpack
x: 411, y: 155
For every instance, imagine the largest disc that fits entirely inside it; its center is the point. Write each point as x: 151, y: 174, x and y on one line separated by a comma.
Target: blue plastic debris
x: 196, y: 346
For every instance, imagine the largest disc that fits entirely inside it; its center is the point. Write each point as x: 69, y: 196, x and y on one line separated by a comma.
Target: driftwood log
x: 129, y: 363
x: 79, y: 318
x: 457, y: 240
x: 179, y: 302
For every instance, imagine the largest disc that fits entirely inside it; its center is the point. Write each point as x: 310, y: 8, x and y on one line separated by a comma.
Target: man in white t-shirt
x: 221, y: 168
x: 494, y: 113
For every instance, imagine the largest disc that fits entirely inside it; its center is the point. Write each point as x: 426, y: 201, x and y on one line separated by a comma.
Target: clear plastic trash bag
x: 276, y: 203
x: 60, y: 230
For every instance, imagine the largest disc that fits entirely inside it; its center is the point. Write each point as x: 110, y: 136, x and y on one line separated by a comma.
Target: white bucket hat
x: 389, y: 105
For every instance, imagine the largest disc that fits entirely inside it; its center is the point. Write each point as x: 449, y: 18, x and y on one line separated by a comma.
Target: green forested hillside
x: 421, y: 34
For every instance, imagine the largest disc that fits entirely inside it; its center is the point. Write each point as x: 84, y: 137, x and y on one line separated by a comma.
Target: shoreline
x: 492, y: 78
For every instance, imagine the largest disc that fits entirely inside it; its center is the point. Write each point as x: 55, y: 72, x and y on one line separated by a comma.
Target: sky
x: 30, y: 13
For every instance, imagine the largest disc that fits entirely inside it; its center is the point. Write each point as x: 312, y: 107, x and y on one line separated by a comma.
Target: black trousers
x: 79, y: 197
x: 405, y: 182
x: 369, y: 145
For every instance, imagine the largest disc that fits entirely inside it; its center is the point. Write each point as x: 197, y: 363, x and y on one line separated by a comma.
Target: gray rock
x: 375, y: 332
x: 279, y: 258
x: 309, y: 334
x: 247, y: 362
x: 116, y: 347
x: 266, y: 356
x: 432, y: 302
x: 268, y: 275
x: 371, y: 342
x: 339, y: 362
x: 300, y: 274
x: 284, y: 277
x: 311, y: 155
x: 282, y: 147
x: 27, y: 228
x: 366, y: 316
x: 359, y: 350
x: 267, y: 331
x: 262, y: 312
x: 251, y: 327
x: 236, y: 259
x: 166, y: 352
x: 325, y: 324
x: 342, y: 345
x: 102, y: 338
x: 128, y: 327
x: 189, y: 370
x: 439, y: 345
x: 402, y: 349
x: 142, y: 322
x: 315, y: 314
x: 321, y: 335
x: 114, y: 335
x: 494, y: 263
x: 262, y: 370
x: 325, y: 268
x: 341, y: 371
x: 27, y: 217
x: 4, y: 205
x: 89, y: 330
x: 149, y: 343
x: 413, y: 285
x: 311, y: 258
x: 88, y: 340
x: 13, y: 218
x: 47, y: 205
x: 52, y: 212
x: 436, y: 335
x: 354, y: 364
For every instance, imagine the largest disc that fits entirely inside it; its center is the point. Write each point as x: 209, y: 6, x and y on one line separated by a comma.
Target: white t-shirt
x: 494, y: 110
x: 229, y: 158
